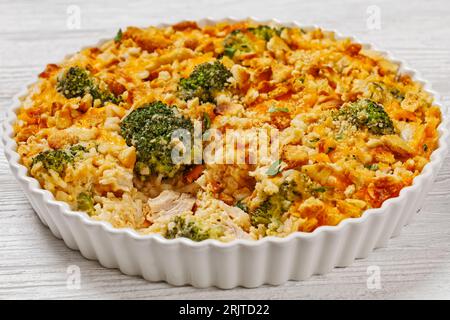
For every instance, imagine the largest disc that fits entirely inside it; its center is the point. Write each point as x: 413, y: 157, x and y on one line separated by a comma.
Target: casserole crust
x: 353, y: 131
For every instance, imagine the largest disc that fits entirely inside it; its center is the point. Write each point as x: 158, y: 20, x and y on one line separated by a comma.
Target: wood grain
x: 33, y: 263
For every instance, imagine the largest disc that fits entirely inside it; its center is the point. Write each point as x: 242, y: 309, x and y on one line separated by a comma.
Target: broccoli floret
x: 85, y: 202
x: 104, y: 95
x: 149, y: 129
x: 265, y: 32
x: 76, y: 150
x: 296, y: 186
x: 275, y: 205
x: 206, y: 80
x: 184, y: 229
x: 264, y: 213
x: 366, y: 113
x: 237, y: 42
x: 57, y: 160
x: 242, y: 205
x: 53, y: 159
x: 77, y: 82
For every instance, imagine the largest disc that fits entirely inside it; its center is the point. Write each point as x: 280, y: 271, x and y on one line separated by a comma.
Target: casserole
x: 240, y: 262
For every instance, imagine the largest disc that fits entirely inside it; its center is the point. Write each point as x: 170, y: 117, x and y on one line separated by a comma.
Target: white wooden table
x: 34, y: 264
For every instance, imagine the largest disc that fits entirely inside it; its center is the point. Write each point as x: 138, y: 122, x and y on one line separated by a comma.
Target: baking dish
x: 240, y: 262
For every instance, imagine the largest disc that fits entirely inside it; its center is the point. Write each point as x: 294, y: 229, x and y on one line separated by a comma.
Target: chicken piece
x: 239, y: 216
x: 171, y: 203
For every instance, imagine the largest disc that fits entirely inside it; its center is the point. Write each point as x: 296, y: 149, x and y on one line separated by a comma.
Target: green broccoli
x: 75, y: 150
x: 206, y: 80
x: 237, y: 42
x: 85, y: 202
x: 57, y: 160
x: 77, y: 82
x: 242, y: 205
x: 366, y: 113
x: 298, y: 186
x: 149, y: 129
x: 183, y: 229
x: 264, y: 213
x: 265, y: 32
x: 275, y: 205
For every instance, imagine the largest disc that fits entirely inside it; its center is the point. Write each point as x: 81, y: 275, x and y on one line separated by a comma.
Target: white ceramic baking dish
x: 241, y: 262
